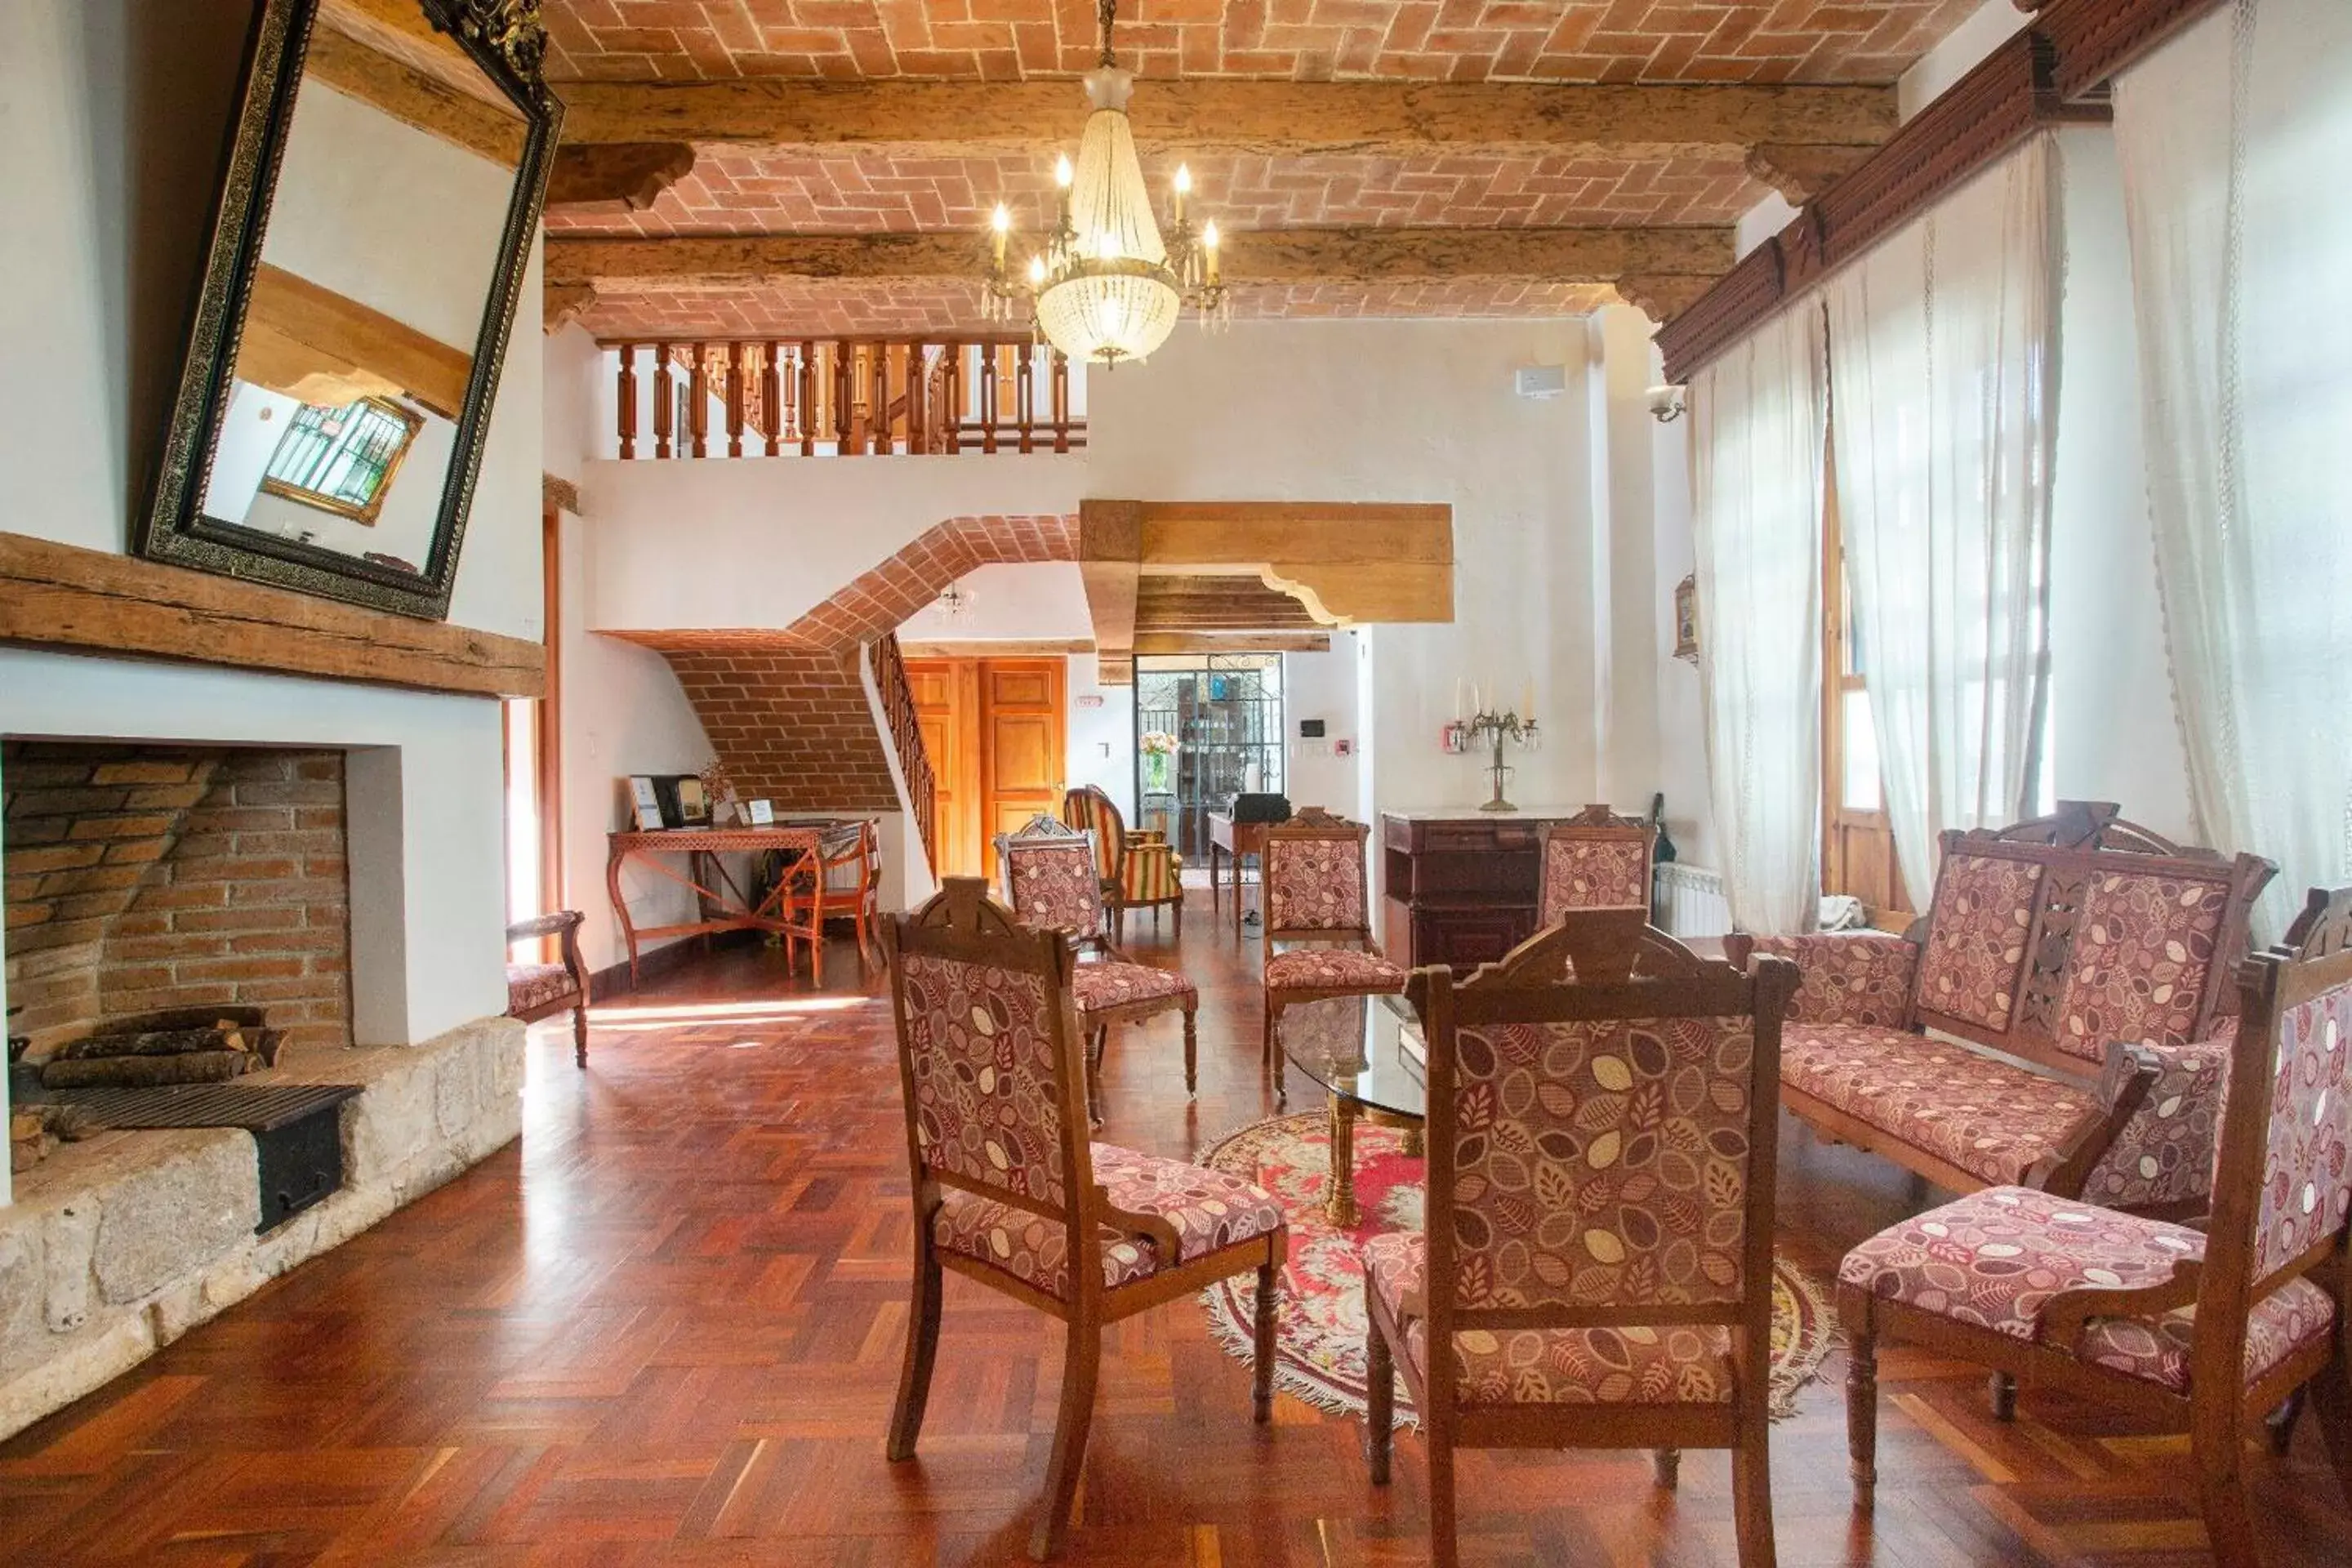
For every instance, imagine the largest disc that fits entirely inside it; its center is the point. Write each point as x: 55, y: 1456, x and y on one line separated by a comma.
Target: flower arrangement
x: 1156, y: 743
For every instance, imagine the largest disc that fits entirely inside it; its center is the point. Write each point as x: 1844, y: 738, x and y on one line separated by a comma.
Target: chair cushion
x: 1309, y: 968
x: 1208, y: 1208
x: 1114, y: 982
x: 1994, y: 1259
x: 534, y: 986
x: 2136, y: 970
x: 1988, y: 1117
x: 1153, y: 874
x: 1556, y: 1366
x: 1975, y: 958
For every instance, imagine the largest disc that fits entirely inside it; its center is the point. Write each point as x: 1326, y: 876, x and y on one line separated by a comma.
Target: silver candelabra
x: 1495, y: 729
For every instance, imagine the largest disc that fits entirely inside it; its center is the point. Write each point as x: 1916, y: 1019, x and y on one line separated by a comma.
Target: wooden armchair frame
x: 1117, y: 847
x: 564, y: 926
x: 1310, y: 825
x: 1598, y: 965
x: 2219, y: 1403
x: 962, y: 923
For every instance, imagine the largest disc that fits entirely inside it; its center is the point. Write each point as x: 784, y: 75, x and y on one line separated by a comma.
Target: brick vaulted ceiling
x: 1718, y: 103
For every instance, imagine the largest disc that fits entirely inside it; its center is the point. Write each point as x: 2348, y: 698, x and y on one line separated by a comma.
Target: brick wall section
x: 144, y: 877
x: 1305, y: 40
x: 786, y: 710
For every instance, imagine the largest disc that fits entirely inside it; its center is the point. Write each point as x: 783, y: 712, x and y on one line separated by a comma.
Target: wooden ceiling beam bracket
x: 631, y: 174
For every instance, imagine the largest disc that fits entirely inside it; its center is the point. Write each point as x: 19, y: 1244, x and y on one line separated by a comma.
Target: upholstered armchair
x: 1595, y: 861
x: 1595, y: 1265
x: 1318, y: 911
x: 2179, y: 1328
x: 1008, y: 1193
x: 1139, y: 870
x: 1052, y: 882
x: 536, y: 991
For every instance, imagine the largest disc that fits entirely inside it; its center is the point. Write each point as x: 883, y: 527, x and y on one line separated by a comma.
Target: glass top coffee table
x: 1365, y: 1053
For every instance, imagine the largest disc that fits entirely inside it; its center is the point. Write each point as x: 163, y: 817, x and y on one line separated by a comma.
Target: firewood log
x: 146, y: 1072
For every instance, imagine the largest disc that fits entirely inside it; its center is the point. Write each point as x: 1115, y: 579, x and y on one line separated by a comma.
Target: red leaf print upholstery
x: 1976, y: 938
x: 2165, y: 1154
x: 531, y: 985
x: 1587, y: 873
x: 979, y: 1043
x: 1600, y: 1162
x: 1861, y: 979
x: 1208, y: 1208
x: 1556, y: 1366
x: 1991, y: 1119
x: 2138, y: 967
x: 1113, y: 983
x: 1053, y: 884
x: 1994, y: 1259
x: 1307, y: 968
x: 1314, y: 884
x: 2307, y: 1168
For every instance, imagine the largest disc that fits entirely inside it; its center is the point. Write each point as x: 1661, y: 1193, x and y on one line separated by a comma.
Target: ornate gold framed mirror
x: 375, y: 217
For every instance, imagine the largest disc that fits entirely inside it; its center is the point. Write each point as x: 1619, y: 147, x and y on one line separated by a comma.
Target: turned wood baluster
x: 991, y: 368
x: 1061, y: 401
x: 628, y: 400
x: 698, y: 407
x: 664, y: 401
x: 954, y: 420
x: 845, y: 397
x: 772, y: 396
x: 808, y: 399
x: 880, y: 422
x: 1024, y: 400
x: 919, y: 394
x: 734, y: 352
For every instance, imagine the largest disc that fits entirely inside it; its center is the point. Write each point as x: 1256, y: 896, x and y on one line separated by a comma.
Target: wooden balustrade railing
x: 844, y: 397
x: 906, y: 736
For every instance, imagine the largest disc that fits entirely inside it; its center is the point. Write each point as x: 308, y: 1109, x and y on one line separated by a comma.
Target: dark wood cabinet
x: 1460, y: 888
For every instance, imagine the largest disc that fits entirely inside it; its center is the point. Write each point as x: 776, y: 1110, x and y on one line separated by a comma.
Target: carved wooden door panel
x: 1022, y: 726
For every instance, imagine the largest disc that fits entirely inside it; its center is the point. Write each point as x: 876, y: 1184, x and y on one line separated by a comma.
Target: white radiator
x: 1690, y: 902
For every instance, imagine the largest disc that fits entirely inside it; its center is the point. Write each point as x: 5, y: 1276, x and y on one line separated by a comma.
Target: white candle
x: 1461, y: 696
x: 1527, y: 700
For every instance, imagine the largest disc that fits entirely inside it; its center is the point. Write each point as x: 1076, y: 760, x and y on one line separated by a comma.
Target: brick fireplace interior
x: 141, y: 878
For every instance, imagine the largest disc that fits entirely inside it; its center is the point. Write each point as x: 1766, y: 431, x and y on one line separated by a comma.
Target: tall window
x: 1857, y: 840
x: 342, y: 458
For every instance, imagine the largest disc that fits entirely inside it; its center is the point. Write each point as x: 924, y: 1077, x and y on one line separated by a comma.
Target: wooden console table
x: 1233, y: 840
x: 735, y: 910
x: 1459, y: 885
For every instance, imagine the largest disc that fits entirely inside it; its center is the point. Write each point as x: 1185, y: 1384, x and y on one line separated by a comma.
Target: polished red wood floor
x: 666, y: 1329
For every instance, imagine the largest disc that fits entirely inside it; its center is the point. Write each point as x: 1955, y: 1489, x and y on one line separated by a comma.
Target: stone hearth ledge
x: 118, y: 1245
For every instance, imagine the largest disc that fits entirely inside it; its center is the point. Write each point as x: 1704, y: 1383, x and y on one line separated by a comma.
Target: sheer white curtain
x: 2234, y: 141
x: 1757, y: 419
x: 1942, y: 356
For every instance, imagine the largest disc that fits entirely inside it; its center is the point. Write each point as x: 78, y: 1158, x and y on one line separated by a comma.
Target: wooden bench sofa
x: 2075, y: 971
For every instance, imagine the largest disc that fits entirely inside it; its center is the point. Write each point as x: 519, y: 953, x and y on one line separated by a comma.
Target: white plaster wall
x: 756, y: 542
x: 1399, y: 411
x: 2113, y: 734
x: 1958, y: 52
x: 570, y: 361
x: 1010, y: 601
x: 1322, y: 686
x: 1099, y: 749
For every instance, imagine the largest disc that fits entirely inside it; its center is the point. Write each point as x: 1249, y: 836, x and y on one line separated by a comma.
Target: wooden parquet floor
x: 666, y: 1329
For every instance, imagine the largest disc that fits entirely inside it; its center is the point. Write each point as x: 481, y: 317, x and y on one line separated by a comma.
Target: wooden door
x: 1857, y: 838
x: 1020, y: 733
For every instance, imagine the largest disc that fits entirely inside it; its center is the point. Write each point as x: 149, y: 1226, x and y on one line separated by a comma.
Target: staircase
x: 907, y: 737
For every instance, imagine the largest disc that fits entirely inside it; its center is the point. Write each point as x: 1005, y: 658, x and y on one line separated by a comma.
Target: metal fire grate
x: 257, y: 1108
x: 296, y: 1129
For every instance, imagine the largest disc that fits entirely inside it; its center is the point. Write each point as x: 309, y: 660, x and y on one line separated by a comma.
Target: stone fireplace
x: 325, y: 857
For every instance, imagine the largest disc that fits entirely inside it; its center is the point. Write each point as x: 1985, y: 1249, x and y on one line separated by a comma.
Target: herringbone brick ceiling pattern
x: 1302, y: 40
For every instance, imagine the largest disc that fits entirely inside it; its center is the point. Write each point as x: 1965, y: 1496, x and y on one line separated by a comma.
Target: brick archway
x: 783, y: 707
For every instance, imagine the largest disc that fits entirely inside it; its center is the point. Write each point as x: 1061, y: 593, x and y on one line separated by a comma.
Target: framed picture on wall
x: 1686, y: 618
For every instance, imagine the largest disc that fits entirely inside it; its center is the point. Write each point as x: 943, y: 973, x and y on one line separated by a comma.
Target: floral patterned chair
x: 1139, y: 870
x: 1595, y: 859
x: 1317, y: 891
x: 2184, y: 1330
x: 1051, y: 881
x: 2080, y: 946
x: 1008, y: 1191
x: 536, y: 991
x: 1595, y: 1269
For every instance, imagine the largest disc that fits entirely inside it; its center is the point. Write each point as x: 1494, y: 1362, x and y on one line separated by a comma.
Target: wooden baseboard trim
x: 613, y: 980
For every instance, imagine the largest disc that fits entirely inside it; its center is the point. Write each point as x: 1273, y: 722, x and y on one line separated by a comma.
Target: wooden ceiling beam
x: 1149, y: 643
x: 1259, y: 255
x: 1217, y: 604
x: 1219, y: 115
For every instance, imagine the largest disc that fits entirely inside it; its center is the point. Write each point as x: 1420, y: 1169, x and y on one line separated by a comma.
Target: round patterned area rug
x: 1319, y: 1326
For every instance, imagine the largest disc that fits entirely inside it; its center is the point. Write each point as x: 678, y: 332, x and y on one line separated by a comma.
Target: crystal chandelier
x: 1106, y: 287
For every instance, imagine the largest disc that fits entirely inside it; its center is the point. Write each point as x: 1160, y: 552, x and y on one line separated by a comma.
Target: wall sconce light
x: 1666, y: 404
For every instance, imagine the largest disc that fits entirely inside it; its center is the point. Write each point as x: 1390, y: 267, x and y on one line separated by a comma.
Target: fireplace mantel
x: 64, y: 597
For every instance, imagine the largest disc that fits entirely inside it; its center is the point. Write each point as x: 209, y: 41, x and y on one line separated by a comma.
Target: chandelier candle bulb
x: 1183, y: 189
x: 1001, y: 221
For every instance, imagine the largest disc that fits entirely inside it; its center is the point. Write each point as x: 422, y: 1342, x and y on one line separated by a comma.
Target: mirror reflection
x: 381, y: 245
